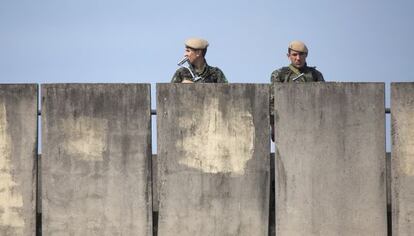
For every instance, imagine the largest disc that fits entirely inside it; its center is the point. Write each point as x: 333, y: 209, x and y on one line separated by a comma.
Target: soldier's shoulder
x: 215, y: 69
x: 313, y: 68
x: 181, y: 70
x: 218, y: 74
x: 281, y: 70
x: 317, y: 73
x: 277, y: 74
x: 179, y: 74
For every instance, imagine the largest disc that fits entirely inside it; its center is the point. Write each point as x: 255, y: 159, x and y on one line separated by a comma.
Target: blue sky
x: 140, y: 41
x: 125, y: 41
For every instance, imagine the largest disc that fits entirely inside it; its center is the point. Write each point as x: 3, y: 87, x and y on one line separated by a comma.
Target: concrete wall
x: 96, y: 159
x: 18, y: 150
x: 213, y: 145
x: 213, y: 159
x: 330, y: 159
x: 402, y: 120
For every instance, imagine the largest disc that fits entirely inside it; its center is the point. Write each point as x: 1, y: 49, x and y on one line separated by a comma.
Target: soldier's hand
x: 186, y: 81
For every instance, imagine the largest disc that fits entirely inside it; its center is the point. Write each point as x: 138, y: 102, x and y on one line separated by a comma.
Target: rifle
x: 298, y: 77
x: 188, y: 67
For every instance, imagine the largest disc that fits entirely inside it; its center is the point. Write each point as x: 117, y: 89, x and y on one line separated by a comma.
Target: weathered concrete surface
x: 213, y: 159
x: 154, y: 182
x: 402, y: 163
x: 18, y: 150
x: 96, y: 159
x: 330, y: 159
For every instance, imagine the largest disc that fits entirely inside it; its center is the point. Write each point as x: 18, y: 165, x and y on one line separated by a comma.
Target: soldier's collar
x: 294, y: 69
x: 298, y: 71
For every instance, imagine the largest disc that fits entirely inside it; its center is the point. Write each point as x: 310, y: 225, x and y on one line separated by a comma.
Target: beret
x: 298, y: 46
x: 196, y: 43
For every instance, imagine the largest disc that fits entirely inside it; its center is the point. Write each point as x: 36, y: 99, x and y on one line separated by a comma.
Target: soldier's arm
x: 274, y: 78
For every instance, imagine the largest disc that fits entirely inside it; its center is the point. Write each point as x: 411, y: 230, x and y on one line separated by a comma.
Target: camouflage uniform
x: 209, y: 74
x: 287, y: 74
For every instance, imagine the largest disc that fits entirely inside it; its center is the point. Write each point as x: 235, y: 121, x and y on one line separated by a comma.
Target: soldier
x: 198, y: 71
x: 297, y: 71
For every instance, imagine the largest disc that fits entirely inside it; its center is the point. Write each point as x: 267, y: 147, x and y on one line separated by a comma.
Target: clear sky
x: 126, y: 41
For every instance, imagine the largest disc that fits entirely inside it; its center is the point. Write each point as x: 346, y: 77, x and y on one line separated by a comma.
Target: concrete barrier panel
x: 18, y: 150
x: 96, y: 159
x: 402, y: 162
x: 330, y: 159
x: 213, y: 159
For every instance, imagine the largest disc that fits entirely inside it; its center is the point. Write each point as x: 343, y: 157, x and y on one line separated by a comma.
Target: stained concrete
x: 213, y: 159
x: 18, y: 150
x: 96, y: 159
x: 402, y: 162
x: 330, y: 159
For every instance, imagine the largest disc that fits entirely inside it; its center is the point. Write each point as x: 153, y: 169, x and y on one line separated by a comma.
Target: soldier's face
x: 192, y: 55
x: 298, y: 59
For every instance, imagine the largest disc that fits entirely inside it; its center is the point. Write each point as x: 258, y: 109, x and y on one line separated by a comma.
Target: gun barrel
x: 184, y: 60
x: 298, y: 77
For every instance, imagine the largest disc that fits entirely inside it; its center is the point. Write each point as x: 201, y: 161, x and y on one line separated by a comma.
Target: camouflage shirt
x: 209, y: 74
x: 289, y: 74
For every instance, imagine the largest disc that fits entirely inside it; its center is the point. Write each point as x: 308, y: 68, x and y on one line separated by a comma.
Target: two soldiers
x: 199, y: 71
